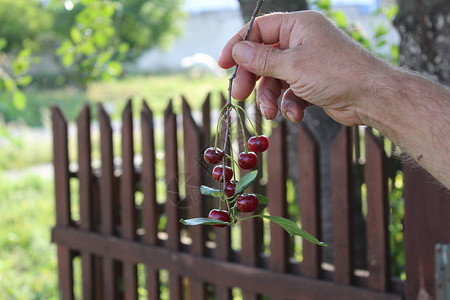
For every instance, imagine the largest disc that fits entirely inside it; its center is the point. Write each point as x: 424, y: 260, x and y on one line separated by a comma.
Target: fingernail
x: 243, y: 52
x: 290, y: 116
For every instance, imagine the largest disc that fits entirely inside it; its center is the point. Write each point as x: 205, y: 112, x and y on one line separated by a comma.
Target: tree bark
x: 247, y: 6
x: 424, y: 27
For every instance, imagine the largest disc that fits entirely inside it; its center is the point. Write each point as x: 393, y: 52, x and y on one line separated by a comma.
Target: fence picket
x: 206, y: 122
x: 223, y: 243
x: 251, y: 230
x: 62, y: 197
x: 107, y: 199
x: 341, y: 163
x: 276, y: 192
x: 173, y: 226
x: 127, y: 200
x: 309, y: 199
x: 86, y: 203
x: 192, y: 161
x: 150, y: 216
x: 375, y: 174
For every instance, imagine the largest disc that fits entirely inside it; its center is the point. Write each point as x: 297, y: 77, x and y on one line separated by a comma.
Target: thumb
x: 260, y: 59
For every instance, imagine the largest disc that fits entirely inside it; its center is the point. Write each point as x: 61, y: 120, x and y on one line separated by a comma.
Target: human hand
x: 306, y: 55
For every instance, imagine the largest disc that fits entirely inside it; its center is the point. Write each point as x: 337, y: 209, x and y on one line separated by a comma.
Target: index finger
x: 266, y: 29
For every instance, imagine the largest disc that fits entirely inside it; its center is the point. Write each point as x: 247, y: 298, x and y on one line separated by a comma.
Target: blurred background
x: 72, y: 52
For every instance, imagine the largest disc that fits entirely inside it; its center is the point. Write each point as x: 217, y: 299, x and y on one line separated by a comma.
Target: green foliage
x: 23, y: 23
x: 13, y: 75
x: 146, y: 24
x: 100, y: 35
x: 38, y: 104
x: 28, y: 261
x: 374, y: 43
x: 396, y: 215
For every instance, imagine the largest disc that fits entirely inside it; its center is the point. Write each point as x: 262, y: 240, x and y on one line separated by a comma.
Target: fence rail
x: 117, y: 231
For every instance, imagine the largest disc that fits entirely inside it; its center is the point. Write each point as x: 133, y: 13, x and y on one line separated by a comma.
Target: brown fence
x: 129, y: 217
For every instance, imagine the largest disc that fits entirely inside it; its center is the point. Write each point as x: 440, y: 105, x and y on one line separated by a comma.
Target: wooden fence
x: 123, y: 222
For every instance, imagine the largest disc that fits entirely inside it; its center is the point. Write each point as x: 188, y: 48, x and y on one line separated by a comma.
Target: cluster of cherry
x: 246, y: 160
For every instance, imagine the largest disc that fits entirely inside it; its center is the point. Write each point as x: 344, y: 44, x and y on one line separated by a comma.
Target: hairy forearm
x: 414, y: 113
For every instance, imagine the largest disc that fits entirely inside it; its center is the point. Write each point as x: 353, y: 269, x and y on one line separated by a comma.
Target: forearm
x: 415, y: 114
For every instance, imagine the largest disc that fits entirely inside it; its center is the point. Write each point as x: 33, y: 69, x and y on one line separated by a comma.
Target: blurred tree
x: 99, y: 35
x: 23, y: 23
x: 23, y: 26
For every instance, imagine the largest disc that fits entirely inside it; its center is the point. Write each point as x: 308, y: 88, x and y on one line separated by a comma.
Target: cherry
x: 221, y: 215
x: 247, y: 160
x: 213, y: 155
x: 218, y: 171
x: 258, y: 143
x: 247, y: 203
x: 230, y: 188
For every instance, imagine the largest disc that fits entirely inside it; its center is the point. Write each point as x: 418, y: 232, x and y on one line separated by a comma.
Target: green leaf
x: 67, y: 59
x: 293, y: 229
x: 202, y: 221
x: 25, y: 80
x: 24, y: 53
x: 263, y: 200
x: 245, y: 182
x: 206, y: 190
x: 76, y: 35
x: 380, y: 31
x: 114, y: 68
x: 340, y: 19
x: 19, y: 99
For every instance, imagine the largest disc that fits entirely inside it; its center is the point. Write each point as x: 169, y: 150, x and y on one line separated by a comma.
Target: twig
x: 230, y: 87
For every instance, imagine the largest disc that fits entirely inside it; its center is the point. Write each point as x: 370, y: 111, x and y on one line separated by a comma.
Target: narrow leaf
x: 246, y: 181
x: 206, y: 190
x: 262, y: 199
x: 202, y: 221
x: 293, y: 229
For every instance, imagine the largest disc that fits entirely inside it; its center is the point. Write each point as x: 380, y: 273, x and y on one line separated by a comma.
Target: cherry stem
x: 253, y: 216
x: 242, y: 128
x: 230, y: 84
x: 248, y: 118
x: 219, y: 121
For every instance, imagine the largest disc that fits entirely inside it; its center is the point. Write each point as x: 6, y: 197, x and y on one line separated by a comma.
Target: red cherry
x: 258, y: 143
x: 247, y: 160
x: 230, y: 188
x: 213, y: 155
x: 221, y: 215
x: 218, y: 171
x: 247, y: 203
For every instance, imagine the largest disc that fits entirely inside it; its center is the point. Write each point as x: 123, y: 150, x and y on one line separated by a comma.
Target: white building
x: 210, y: 24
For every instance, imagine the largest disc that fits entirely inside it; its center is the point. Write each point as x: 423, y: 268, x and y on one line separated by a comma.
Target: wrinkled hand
x: 306, y: 55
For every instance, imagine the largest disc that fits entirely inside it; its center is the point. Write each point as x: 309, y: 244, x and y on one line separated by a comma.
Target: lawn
x: 28, y: 260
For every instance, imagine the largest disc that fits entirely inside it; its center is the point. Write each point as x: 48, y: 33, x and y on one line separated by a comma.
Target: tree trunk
x: 424, y: 27
x: 248, y: 6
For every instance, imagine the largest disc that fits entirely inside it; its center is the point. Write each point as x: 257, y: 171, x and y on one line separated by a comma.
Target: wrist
x: 414, y: 113
x: 387, y: 103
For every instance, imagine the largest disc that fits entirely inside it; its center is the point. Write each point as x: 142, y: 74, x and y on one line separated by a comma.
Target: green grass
x: 28, y: 260
x: 23, y: 147
x: 156, y: 89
